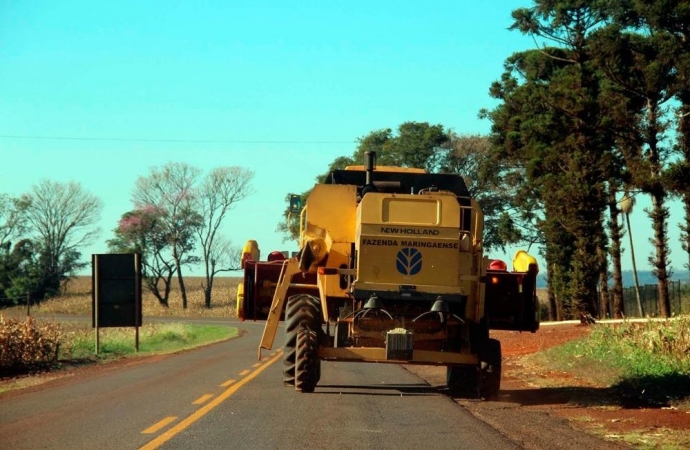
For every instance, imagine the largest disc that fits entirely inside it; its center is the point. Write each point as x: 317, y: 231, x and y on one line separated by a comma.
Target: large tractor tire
x: 290, y: 349
x: 302, y: 313
x: 307, y: 363
x: 462, y: 381
x: 490, y: 369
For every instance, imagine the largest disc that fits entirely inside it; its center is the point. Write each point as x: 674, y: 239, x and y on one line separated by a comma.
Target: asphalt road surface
x: 222, y: 397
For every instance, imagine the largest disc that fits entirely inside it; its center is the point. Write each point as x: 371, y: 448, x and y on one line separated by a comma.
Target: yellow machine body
x: 391, y: 269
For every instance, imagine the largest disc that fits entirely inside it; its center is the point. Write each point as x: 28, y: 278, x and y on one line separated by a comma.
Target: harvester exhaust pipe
x: 440, y: 306
x: 370, y: 163
x: 373, y: 303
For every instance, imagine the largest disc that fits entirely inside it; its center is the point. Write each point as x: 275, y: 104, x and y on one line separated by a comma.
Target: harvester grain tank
x: 391, y: 270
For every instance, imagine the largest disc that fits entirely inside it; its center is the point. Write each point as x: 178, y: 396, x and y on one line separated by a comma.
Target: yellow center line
x: 202, y: 399
x: 201, y: 412
x: 228, y: 383
x: 244, y: 372
x: 153, y: 428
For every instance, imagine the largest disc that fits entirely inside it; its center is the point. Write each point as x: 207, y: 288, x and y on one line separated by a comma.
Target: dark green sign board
x: 116, y: 290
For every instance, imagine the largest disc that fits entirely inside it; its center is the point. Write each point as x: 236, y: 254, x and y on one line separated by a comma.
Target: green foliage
x: 431, y: 147
x: 143, y: 231
x: 650, y: 358
x: 578, y: 119
x: 416, y: 144
x: 494, y: 185
x: 24, y: 270
x: 552, y: 124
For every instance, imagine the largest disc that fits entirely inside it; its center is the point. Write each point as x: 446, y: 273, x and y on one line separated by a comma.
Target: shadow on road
x: 387, y: 389
x: 642, y: 392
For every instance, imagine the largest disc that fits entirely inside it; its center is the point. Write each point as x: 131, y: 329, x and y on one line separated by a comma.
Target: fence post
x: 28, y: 304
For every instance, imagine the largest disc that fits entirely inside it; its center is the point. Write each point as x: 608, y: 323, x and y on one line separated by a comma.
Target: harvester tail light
x: 328, y: 271
x: 494, y: 280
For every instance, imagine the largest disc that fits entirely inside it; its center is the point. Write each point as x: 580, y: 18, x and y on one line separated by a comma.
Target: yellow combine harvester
x: 390, y: 270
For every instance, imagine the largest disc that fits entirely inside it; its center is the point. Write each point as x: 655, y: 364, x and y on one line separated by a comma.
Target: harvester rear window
x: 401, y: 211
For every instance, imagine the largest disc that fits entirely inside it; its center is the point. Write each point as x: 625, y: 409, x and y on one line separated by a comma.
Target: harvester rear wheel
x: 302, y: 312
x: 462, y: 381
x: 490, y: 369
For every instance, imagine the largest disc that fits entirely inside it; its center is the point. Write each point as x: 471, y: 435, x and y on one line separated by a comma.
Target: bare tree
x: 222, y: 188
x: 170, y: 190
x: 62, y: 217
x: 11, y: 221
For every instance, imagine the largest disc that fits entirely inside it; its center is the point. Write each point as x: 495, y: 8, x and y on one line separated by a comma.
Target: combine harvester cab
x: 391, y: 270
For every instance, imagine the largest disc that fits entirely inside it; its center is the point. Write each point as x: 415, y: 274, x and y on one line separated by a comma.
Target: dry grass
x: 77, y: 299
x: 25, y: 344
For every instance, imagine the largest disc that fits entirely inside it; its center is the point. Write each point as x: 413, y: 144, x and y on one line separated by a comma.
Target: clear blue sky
x: 280, y: 88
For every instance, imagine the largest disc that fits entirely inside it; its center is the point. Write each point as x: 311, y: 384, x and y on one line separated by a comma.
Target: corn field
x: 76, y: 299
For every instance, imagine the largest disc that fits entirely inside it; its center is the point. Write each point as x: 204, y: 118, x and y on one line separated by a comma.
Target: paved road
x: 221, y: 397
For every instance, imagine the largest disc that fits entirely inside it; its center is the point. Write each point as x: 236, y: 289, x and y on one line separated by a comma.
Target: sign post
x: 116, y: 293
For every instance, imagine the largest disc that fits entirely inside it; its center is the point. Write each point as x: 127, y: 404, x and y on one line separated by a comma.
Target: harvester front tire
x: 307, y: 368
x: 289, y: 350
x: 490, y: 369
x: 302, y: 312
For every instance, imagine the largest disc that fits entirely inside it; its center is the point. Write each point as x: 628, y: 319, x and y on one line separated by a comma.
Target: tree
x: 143, y: 231
x: 672, y: 18
x: 615, y: 230
x: 61, y: 217
x: 222, y: 188
x: 642, y: 65
x: 553, y: 123
x: 170, y: 191
x: 492, y: 183
x: 19, y: 272
x: 416, y: 144
x: 11, y: 221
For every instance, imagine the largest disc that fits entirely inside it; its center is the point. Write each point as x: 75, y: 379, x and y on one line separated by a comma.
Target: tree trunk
x: 615, y: 232
x: 634, y: 264
x: 208, y: 288
x: 553, y: 305
x: 183, y: 291
x: 659, y: 217
x: 686, y: 244
x: 603, y: 294
x: 659, y: 214
x: 180, y: 279
x: 152, y: 285
x: 555, y: 294
x: 684, y: 144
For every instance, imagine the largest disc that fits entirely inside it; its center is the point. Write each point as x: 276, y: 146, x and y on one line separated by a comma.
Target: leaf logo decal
x: 409, y: 261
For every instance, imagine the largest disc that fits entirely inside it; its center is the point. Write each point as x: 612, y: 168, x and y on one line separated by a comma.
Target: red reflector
x: 328, y: 271
x: 494, y: 280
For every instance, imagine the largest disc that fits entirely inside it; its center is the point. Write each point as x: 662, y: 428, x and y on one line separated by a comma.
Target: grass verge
x: 637, y: 366
x: 77, y: 347
x: 646, y: 361
x: 79, y: 342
